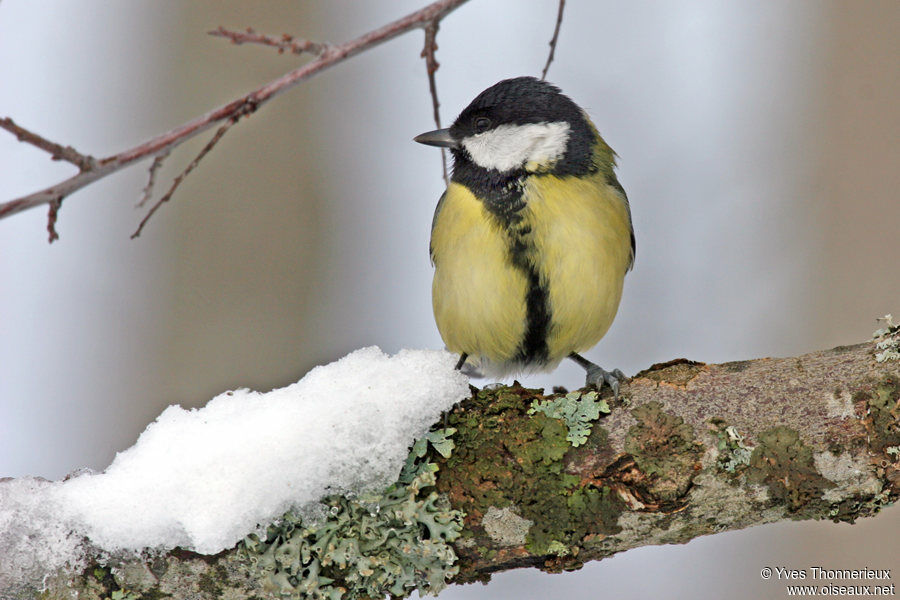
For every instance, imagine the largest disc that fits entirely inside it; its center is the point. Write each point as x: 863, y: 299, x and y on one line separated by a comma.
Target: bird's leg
x: 467, y: 369
x: 597, y: 376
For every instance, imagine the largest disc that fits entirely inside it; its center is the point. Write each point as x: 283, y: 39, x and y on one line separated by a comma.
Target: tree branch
x: 554, y: 39
x: 90, y: 170
x: 431, y: 66
x: 151, y: 179
x: 84, y: 162
x: 284, y: 43
x: 690, y: 449
x: 181, y: 177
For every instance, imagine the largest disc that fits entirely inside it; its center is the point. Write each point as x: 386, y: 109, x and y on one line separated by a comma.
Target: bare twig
x: 183, y: 175
x: 244, y: 105
x: 84, y: 162
x: 52, y: 214
x: 286, y: 43
x: 431, y: 65
x: 148, y: 189
x: 559, y: 17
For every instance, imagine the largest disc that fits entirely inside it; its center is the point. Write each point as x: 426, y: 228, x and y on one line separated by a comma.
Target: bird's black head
x: 516, y: 128
x: 523, y: 124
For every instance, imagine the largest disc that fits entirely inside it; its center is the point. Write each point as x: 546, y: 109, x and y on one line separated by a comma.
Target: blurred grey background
x: 759, y: 144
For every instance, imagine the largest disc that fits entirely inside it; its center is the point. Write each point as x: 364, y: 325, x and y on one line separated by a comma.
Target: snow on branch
x: 326, y: 55
x: 516, y: 478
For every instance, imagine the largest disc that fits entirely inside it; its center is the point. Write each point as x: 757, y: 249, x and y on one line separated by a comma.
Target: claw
x: 597, y: 376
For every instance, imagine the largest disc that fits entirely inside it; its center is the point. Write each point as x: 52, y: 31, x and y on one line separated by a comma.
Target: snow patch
x: 204, y: 478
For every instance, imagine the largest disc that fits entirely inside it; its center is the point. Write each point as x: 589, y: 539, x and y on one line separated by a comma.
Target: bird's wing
x: 614, y: 182
x: 437, y: 210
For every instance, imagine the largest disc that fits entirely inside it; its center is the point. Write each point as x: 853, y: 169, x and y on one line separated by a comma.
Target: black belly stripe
x: 533, y: 347
x: 534, y: 344
x: 503, y: 196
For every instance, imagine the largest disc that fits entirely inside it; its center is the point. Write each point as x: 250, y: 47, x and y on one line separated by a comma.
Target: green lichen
x: 883, y: 418
x: 676, y: 372
x: 388, y: 543
x: 207, y: 583
x: 578, y: 410
x: 665, y: 450
x: 439, y: 440
x: 505, y: 457
x: 785, y: 464
x: 569, y: 517
x: 887, y: 339
x: 108, y: 588
x: 734, y: 453
x: 505, y: 527
x: 557, y: 548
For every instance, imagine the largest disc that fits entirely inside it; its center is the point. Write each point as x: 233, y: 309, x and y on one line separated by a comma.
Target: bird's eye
x: 481, y: 124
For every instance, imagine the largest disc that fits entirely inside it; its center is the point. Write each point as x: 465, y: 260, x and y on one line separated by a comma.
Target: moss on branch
x: 546, y: 481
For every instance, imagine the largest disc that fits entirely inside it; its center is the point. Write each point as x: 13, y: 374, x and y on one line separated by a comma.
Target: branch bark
x: 690, y: 449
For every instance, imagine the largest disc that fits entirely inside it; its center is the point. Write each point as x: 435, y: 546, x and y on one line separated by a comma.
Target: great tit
x: 532, y: 238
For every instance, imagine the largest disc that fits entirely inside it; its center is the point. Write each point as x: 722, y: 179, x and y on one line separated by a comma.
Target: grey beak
x: 438, y: 137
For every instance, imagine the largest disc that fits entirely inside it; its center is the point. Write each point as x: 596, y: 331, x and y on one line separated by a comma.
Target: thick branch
x: 93, y: 170
x: 690, y: 449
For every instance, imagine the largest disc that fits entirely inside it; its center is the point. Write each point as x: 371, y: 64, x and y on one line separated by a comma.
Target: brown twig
x: 154, y: 168
x: 244, y: 105
x: 52, y: 215
x: 431, y: 65
x: 559, y: 17
x: 84, y: 162
x: 286, y: 43
x: 183, y: 175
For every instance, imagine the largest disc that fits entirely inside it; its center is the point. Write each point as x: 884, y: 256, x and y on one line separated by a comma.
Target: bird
x: 533, y: 237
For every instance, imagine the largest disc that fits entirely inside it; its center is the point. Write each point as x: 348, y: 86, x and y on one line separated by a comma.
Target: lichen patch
x: 665, y: 450
x: 507, y: 458
x: 505, y: 527
x: 839, y: 404
x: 784, y: 463
x: 851, y: 475
x: 887, y: 341
x: 678, y: 372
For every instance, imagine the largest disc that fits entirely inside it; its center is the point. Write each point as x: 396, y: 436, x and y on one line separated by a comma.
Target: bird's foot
x: 597, y: 376
x: 467, y: 369
x: 471, y: 371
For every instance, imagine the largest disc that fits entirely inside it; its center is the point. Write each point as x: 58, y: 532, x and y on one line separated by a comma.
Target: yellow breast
x: 477, y: 294
x: 579, y: 244
x: 582, y: 238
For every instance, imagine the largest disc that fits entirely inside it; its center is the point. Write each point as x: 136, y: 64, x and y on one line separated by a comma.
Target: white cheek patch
x: 507, y: 147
